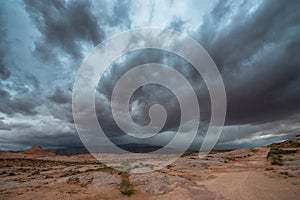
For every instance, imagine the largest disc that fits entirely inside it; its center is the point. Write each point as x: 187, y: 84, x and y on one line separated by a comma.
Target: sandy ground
x: 239, y: 174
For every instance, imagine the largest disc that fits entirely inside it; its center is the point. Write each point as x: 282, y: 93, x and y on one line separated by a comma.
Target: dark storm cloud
x: 257, y: 51
x: 60, y: 105
x: 12, y: 125
x: 145, y: 96
x: 63, y: 25
x: 49, y: 134
x: 22, y: 104
x: 255, y: 48
x: 54, y: 140
x: 254, y: 44
x: 66, y: 25
x: 4, y: 72
x: 4, y: 126
x: 60, y: 96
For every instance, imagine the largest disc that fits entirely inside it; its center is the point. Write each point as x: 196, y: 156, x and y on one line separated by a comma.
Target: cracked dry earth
x: 238, y: 174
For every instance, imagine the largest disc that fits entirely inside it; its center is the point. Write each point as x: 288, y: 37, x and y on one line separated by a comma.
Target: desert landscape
x: 270, y: 172
x: 114, y: 99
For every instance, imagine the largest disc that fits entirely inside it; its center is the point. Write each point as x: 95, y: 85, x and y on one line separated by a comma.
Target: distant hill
x: 38, y: 150
x: 291, y: 143
x: 68, y: 151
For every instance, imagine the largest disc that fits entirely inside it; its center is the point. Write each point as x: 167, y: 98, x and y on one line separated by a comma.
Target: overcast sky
x: 255, y: 45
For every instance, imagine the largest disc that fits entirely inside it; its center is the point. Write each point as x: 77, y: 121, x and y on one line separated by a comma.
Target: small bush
x: 126, y: 187
x: 284, y: 173
x: 36, y: 173
x: 295, y: 144
x: 278, y: 151
x: 11, y: 174
x: 269, y: 168
x: 276, y: 160
x: 48, y: 176
x: 253, y: 150
x: 70, y: 173
x: 73, y: 180
x: 276, y: 155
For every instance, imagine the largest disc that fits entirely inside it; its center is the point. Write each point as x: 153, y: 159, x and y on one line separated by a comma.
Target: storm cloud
x: 254, y: 44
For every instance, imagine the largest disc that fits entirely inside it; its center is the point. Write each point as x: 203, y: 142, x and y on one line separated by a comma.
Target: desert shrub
x: 269, y: 168
x: 231, y: 158
x: 278, y: 151
x: 276, y: 155
x: 70, y: 173
x: 36, y: 173
x: 253, y: 150
x: 73, y: 180
x: 295, y: 144
x: 276, y: 160
x: 11, y: 174
x: 126, y: 187
x: 48, y: 176
x: 64, y: 175
x: 86, y: 183
x: 23, y: 170
x: 96, y: 169
x: 72, y: 192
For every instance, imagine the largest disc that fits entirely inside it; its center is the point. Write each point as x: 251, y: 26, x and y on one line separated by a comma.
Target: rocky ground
x: 271, y: 172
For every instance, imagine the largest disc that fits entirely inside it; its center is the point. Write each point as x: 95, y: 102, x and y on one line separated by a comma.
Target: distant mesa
x: 35, y: 150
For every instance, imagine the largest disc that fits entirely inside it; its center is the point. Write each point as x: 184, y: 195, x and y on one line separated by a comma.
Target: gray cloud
x: 60, y: 96
x: 177, y: 24
x: 21, y: 104
x: 63, y: 25
x: 255, y: 46
x: 4, y: 72
x: 4, y: 126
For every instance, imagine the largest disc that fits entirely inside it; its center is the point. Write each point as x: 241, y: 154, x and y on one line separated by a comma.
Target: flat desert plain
x: 271, y: 172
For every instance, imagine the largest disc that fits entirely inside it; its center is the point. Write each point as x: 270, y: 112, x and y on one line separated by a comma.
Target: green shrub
x: 11, y: 174
x: 276, y: 155
x: 73, y: 180
x: 269, y: 168
x: 126, y: 187
x: 295, y: 144
x: 284, y: 173
x: 253, y: 150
